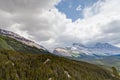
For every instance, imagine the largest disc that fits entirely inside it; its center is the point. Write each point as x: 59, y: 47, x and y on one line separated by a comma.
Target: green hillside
x: 21, y: 66
x: 8, y: 43
x: 4, y: 45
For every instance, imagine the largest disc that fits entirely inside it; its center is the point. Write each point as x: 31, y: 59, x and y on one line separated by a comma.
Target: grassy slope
x: 20, y: 66
x: 8, y: 43
x: 4, y: 45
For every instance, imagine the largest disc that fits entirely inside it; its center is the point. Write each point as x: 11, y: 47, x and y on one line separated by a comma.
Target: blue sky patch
x: 74, y: 8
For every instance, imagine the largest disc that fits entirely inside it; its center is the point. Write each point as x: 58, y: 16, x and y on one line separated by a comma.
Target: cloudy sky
x: 57, y: 23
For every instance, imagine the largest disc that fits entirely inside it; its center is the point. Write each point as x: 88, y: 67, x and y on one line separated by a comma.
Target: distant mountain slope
x: 20, y: 38
x: 8, y: 43
x: 79, y: 50
x: 21, y: 66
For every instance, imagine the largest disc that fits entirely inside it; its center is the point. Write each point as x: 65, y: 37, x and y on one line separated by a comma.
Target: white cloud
x: 79, y: 8
x: 37, y: 20
x: 41, y: 21
x: 102, y: 15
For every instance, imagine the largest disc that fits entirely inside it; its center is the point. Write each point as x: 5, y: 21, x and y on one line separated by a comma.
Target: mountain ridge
x: 8, y: 43
x: 20, y: 38
x: 100, y: 49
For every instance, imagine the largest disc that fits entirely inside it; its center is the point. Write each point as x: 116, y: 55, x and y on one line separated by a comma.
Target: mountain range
x: 19, y: 60
x: 102, y: 54
x: 79, y: 50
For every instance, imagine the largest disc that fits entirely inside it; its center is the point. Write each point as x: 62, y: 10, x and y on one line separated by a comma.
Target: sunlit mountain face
x: 68, y: 39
